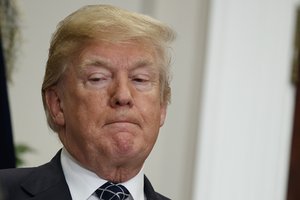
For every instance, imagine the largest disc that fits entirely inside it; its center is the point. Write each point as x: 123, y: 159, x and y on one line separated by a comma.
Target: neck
x: 116, y: 172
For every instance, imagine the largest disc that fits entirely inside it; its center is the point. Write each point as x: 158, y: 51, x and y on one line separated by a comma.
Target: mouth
x: 122, y: 126
x: 122, y: 122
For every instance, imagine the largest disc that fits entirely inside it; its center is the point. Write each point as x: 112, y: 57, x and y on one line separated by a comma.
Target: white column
x: 247, y: 105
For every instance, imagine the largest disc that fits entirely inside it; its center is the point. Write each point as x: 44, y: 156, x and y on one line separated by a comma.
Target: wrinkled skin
x: 109, y: 108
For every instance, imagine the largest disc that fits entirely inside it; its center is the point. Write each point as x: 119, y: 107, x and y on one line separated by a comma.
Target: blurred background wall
x: 228, y: 129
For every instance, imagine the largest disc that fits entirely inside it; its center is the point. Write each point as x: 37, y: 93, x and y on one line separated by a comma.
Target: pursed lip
x: 123, y: 121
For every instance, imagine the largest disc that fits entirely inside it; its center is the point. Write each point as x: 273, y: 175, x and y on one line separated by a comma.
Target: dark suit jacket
x: 47, y: 182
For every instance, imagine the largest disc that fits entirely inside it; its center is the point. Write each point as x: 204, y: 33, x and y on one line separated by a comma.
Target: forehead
x: 125, y: 54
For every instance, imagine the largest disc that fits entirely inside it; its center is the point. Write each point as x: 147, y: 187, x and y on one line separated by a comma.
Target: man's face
x: 109, y: 105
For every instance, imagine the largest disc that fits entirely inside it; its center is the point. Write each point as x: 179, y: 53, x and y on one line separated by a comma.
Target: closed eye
x: 140, y: 80
x: 98, y: 80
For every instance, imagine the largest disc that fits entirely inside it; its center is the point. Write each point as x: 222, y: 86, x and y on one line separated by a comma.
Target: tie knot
x: 111, y: 191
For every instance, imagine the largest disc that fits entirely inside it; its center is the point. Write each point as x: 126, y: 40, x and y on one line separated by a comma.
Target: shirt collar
x: 83, y: 182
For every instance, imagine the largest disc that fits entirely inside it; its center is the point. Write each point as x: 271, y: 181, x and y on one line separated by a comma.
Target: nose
x: 121, y: 94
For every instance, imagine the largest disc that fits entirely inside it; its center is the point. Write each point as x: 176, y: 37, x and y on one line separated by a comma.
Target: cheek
x: 85, y: 110
x: 152, y: 117
x: 87, y: 100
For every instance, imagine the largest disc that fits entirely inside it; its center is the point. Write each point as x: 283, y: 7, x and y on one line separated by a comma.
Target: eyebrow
x: 102, y: 62
x: 94, y: 62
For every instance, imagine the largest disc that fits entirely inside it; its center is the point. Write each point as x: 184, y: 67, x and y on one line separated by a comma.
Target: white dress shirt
x: 83, y: 183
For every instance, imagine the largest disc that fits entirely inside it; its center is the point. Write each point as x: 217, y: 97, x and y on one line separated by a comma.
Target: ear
x: 163, y: 113
x: 55, y: 107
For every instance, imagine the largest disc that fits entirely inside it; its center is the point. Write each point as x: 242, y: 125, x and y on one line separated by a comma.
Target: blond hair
x: 109, y: 24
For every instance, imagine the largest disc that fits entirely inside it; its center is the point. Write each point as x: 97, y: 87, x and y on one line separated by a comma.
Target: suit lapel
x: 47, y: 182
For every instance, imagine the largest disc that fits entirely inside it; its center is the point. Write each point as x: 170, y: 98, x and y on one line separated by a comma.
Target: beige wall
x: 170, y: 166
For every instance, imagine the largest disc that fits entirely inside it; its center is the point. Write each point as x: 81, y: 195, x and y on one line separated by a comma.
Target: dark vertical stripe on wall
x: 7, y: 153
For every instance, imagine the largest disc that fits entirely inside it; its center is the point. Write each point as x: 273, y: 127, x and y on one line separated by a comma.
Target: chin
x: 131, y: 152
x: 124, y: 143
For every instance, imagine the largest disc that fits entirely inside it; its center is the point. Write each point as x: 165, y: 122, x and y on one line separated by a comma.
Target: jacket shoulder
x: 43, y: 182
x: 10, y: 180
x: 17, y: 173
